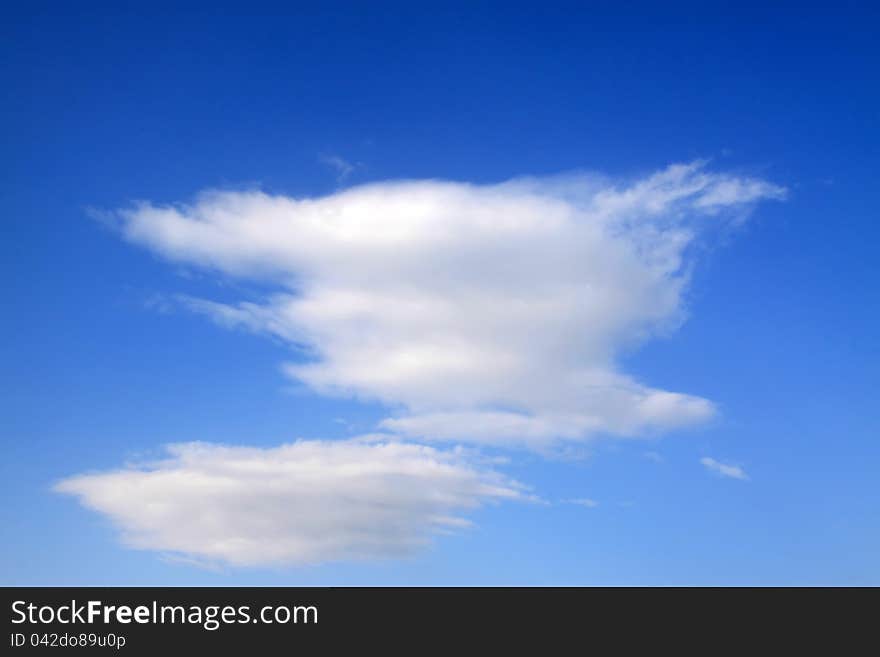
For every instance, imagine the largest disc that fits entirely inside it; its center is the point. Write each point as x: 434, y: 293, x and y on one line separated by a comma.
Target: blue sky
x: 110, y: 351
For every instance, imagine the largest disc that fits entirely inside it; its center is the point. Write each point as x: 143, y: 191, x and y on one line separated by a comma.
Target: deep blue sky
x: 102, y: 106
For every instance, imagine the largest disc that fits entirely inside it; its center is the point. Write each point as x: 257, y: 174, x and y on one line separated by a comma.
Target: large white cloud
x: 492, y: 313
x: 306, y: 502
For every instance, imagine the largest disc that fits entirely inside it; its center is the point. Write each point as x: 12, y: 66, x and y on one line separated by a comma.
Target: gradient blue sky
x: 103, y: 106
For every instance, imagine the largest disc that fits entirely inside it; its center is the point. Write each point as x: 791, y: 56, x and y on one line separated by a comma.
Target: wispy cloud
x: 301, y: 503
x: 583, y: 501
x: 724, y: 469
x: 486, y: 313
x: 340, y: 166
x: 656, y: 457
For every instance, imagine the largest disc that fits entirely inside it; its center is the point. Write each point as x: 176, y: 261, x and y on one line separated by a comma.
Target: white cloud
x: 656, y: 457
x: 724, y: 469
x: 494, y: 314
x: 301, y: 503
x: 584, y: 501
x: 342, y: 167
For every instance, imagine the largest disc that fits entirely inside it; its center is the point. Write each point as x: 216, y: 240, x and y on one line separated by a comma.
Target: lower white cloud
x: 301, y: 503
